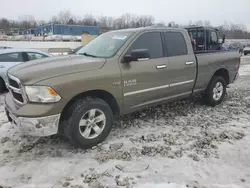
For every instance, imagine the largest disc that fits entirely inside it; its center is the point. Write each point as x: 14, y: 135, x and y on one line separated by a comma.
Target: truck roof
x: 150, y: 28
x: 203, y: 27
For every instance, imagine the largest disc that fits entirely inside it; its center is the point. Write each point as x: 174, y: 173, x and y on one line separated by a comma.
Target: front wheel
x: 245, y: 53
x: 216, y: 91
x: 88, y: 122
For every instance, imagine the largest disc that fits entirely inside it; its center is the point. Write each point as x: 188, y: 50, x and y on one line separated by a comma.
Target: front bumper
x: 33, y: 119
x: 42, y: 126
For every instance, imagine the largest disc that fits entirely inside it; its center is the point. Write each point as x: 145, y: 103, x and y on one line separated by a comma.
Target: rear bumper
x: 246, y: 51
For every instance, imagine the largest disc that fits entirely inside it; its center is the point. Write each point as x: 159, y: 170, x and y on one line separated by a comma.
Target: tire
x: 245, y: 53
x: 80, y: 113
x: 2, y: 85
x: 216, y: 91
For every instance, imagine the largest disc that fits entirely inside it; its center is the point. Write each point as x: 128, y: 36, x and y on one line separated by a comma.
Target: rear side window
x: 214, y: 37
x: 150, y: 41
x: 11, y: 57
x: 33, y: 56
x: 175, y: 44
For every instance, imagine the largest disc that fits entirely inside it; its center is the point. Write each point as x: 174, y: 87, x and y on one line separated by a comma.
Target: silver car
x: 12, y: 57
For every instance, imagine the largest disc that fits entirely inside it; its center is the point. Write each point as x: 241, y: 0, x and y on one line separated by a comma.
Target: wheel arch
x: 102, y: 94
x: 224, y: 73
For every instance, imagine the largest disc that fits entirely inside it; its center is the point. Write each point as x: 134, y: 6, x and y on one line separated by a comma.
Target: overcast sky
x: 180, y: 11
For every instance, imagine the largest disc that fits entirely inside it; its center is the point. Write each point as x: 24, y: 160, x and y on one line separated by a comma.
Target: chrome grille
x: 13, y: 83
x: 17, y: 96
x: 16, y: 89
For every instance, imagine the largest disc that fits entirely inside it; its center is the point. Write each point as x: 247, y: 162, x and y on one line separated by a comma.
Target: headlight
x: 41, y: 94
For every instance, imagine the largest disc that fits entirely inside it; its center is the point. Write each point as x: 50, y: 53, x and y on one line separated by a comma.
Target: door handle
x: 161, y: 66
x: 189, y: 63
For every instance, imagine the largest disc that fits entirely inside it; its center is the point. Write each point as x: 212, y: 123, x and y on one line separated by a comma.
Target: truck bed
x: 209, y: 61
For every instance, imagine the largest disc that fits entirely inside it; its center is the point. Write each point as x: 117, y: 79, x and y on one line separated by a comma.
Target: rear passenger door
x: 145, y: 80
x: 34, y: 56
x: 182, y: 63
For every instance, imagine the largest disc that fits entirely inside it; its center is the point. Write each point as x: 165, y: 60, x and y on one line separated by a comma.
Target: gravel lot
x: 182, y: 144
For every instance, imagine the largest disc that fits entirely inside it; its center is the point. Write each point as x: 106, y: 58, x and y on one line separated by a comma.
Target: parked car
x: 11, y: 57
x: 118, y: 72
x: 236, y: 46
x: 4, y: 47
x: 246, y: 50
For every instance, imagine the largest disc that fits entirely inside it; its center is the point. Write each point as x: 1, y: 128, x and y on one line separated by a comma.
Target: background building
x: 59, y: 29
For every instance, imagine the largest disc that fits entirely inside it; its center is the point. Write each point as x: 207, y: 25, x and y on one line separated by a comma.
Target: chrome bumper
x: 41, y: 126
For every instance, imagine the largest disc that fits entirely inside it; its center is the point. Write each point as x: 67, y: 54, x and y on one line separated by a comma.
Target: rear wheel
x: 245, y: 53
x: 216, y: 91
x: 88, y: 122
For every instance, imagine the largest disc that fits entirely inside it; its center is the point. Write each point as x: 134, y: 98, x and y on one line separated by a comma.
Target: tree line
x: 231, y: 30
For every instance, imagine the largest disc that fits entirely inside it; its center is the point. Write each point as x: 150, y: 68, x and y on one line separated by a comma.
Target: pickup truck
x: 117, y: 73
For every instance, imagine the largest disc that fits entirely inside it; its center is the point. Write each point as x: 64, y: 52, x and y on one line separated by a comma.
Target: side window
x: 33, y: 56
x: 175, y: 44
x: 11, y: 57
x: 214, y: 37
x: 150, y: 41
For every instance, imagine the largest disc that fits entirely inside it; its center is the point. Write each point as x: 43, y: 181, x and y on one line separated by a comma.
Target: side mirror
x: 136, y: 55
x: 223, y: 38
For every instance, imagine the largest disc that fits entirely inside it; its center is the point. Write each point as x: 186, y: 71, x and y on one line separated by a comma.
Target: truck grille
x: 16, y: 90
x: 13, y: 83
x: 17, y: 96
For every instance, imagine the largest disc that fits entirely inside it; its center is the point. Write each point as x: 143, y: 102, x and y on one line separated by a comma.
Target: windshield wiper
x: 86, y: 54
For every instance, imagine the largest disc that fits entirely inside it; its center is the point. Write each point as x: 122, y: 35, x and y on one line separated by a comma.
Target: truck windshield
x: 105, y: 45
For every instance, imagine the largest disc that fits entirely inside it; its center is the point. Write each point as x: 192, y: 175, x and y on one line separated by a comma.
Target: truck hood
x: 37, y: 70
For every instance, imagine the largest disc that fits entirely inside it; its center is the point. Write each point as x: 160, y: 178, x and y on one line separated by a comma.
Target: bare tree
x: 110, y: 22
x: 199, y: 23
x: 103, y: 22
x: 144, y: 21
x: 4, y: 23
x: 160, y: 24
x: 41, y: 22
x: 231, y: 30
x: 119, y: 23
x: 71, y: 21
x: 190, y: 23
x: 173, y: 24
x: 207, y: 23
x: 89, y: 20
x: 27, y: 21
x: 129, y: 20
x: 64, y: 17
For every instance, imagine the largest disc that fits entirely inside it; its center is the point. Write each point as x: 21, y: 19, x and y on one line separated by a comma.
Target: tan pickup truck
x: 117, y: 73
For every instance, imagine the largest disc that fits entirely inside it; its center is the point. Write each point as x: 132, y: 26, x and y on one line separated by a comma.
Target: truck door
x: 212, y: 40
x: 145, y: 80
x: 181, y: 61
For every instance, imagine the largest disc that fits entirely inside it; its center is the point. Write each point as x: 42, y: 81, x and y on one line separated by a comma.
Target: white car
x: 246, y: 50
x: 12, y: 57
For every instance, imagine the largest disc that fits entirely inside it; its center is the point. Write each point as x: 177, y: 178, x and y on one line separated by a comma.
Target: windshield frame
x: 131, y: 33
